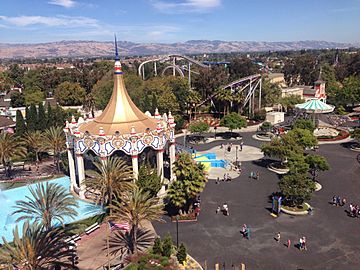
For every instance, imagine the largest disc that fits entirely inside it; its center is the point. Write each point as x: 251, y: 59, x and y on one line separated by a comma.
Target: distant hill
x: 96, y: 48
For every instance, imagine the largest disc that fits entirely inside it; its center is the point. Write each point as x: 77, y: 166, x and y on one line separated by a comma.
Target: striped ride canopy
x: 315, y: 106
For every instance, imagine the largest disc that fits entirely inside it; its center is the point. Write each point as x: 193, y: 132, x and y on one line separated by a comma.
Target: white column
x: 71, y: 169
x: 135, y: 166
x: 160, y: 163
x: 172, y: 153
x: 81, y: 174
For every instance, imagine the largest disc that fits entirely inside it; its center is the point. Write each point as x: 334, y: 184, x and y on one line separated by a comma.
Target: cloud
x: 63, y: 3
x: 67, y: 21
x: 186, y: 6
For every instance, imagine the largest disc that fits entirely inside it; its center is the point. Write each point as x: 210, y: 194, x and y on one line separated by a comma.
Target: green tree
x: 301, y: 137
x: 20, y: 124
x: 289, y: 102
x: 271, y: 93
x: 102, y: 91
x: 167, y: 246
x: 304, y: 124
x: 134, y: 208
x: 191, y: 180
x: 199, y: 127
x: 157, y: 248
x: 38, y: 248
x: 316, y: 164
x: 41, y: 123
x: 17, y: 100
x: 350, y: 93
x: 49, y: 203
x: 110, y: 178
x: 11, y: 147
x: 241, y: 67
x: 33, y: 97
x: 54, y: 140
x: 32, y: 118
x: 226, y: 97
x: 148, y: 180
x: 209, y: 80
x: 181, y: 254
x: 233, y: 121
x: 35, y: 142
x: 70, y: 94
x: 278, y: 148
x: 266, y: 126
x: 296, y: 187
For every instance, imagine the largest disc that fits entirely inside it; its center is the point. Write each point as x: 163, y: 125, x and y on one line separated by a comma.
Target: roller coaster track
x: 250, y: 82
x: 168, y: 58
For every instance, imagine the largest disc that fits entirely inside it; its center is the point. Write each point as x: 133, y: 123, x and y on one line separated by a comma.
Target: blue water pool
x: 8, y: 200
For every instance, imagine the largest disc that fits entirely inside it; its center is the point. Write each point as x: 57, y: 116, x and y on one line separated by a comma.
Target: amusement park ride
x: 248, y: 85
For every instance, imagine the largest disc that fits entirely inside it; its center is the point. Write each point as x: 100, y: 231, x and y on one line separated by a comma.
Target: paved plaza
x: 332, y: 236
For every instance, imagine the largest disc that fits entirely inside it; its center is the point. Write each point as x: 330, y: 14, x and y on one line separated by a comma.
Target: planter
x: 355, y: 147
x: 262, y: 138
x: 299, y: 212
x: 185, y: 218
x: 318, y: 186
x: 342, y: 135
x: 272, y: 167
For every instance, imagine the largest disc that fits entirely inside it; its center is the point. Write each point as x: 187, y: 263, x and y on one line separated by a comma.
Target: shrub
x: 157, y: 248
x: 167, y: 246
x: 181, y: 254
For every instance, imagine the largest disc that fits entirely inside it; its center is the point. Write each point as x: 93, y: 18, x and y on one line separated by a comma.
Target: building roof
x: 6, y: 122
x: 51, y: 101
x: 120, y: 114
x: 4, y: 104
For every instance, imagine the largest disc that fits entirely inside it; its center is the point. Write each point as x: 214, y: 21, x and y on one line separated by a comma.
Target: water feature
x: 8, y: 200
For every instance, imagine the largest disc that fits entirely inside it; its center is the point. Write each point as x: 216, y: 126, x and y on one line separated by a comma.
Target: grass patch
x: 79, y: 227
x: 298, y: 208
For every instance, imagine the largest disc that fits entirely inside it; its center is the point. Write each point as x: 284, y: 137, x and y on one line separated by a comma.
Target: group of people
x: 224, y: 209
x: 337, y: 201
x: 301, y: 244
x: 229, y: 146
x: 354, y: 210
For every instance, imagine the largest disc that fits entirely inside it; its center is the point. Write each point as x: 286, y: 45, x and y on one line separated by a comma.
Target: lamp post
x: 177, y: 231
x: 236, y: 162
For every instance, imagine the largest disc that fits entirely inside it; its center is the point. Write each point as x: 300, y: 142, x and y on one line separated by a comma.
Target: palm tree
x: 122, y: 241
x: 111, y: 177
x: 49, y: 203
x: 35, y: 141
x: 226, y: 97
x: 190, y: 181
x: 37, y: 249
x: 54, y: 140
x: 136, y: 207
x: 11, y: 147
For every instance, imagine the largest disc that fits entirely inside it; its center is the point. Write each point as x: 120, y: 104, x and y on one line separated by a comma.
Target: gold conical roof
x: 120, y: 114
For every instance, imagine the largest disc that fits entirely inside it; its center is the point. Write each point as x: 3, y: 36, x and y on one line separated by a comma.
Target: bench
x: 92, y: 228
x: 75, y: 237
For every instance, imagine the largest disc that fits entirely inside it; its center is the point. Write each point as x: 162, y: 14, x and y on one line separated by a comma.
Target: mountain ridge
x: 91, y: 48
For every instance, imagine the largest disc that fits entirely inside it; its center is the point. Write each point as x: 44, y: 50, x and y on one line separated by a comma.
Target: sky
x: 168, y: 21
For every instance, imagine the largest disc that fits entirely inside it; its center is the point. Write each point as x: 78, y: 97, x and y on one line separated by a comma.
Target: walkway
x: 331, y: 234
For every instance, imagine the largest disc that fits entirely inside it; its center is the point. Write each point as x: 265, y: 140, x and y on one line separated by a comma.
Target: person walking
x: 288, y: 243
x: 343, y: 202
x: 218, y: 209
x: 257, y: 175
x: 304, y: 243
x: 241, y: 145
x: 278, y: 237
x: 300, y: 244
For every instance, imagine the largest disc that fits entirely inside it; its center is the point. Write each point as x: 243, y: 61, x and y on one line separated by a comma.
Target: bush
x: 181, y: 254
x: 157, y: 248
x: 259, y: 115
x: 167, y: 246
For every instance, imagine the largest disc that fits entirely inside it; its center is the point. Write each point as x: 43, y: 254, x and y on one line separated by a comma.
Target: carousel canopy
x: 120, y: 114
x: 315, y: 106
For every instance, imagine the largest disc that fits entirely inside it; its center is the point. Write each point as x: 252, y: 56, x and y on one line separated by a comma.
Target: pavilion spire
x: 117, y: 58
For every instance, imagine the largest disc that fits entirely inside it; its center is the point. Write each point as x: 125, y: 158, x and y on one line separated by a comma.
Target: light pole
x: 236, y: 162
x: 177, y: 232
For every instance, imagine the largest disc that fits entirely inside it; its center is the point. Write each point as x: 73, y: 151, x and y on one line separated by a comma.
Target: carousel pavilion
x: 121, y: 129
